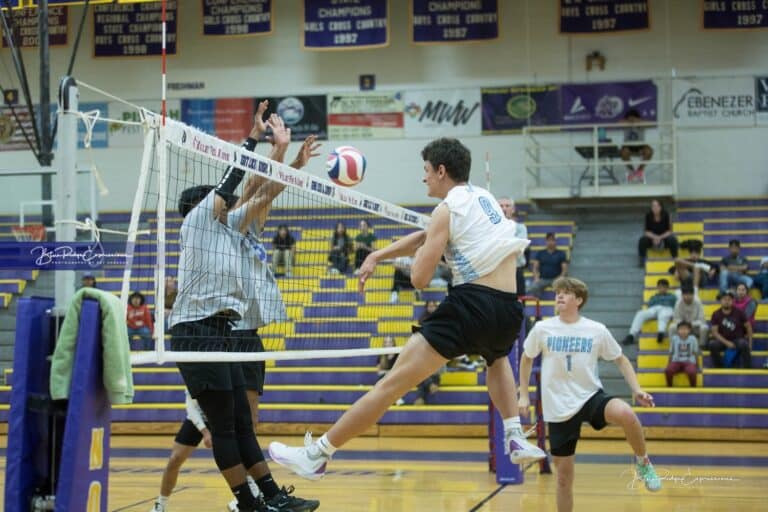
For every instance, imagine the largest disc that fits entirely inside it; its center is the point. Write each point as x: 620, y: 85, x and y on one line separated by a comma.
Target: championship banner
x: 26, y: 22
x: 375, y: 115
x: 123, y: 135
x: 304, y: 115
x: 451, y: 22
x: 334, y: 25
x: 509, y: 109
x: 237, y: 17
x: 761, y: 100
x: 12, y: 131
x: 229, y: 119
x: 608, y: 102
x: 714, y: 101
x: 596, y: 16
x: 735, y: 14
x: 133, y: 30
x: 15, y: 4
x: 443, y: 112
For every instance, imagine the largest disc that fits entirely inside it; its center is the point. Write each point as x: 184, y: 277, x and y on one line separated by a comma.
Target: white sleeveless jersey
x: 480, y: 236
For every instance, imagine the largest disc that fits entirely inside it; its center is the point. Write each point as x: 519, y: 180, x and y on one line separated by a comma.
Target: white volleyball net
x: 220, y: 268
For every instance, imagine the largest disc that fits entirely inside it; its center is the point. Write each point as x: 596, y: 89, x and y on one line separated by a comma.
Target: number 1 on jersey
x: 568, y: 359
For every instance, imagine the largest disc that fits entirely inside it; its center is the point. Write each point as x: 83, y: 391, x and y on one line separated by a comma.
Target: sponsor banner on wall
x: 596, y: 16
x: 443, y: 112
x: 229, y: 119
x: 237, y: 18
x: 714, y: 101
x: 334, y: 25
x: 122, y: 135
x: 608, y: 102
x: 25, y: 20
x: 735, y: 14
x: 451, y: 22
x: 374, y: 115
x: 304, y: 115
x: 509, y: 109
x: 761, y: 99
x: 133, y: 30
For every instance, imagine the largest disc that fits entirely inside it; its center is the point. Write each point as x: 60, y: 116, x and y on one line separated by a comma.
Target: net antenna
x: 177, y: 155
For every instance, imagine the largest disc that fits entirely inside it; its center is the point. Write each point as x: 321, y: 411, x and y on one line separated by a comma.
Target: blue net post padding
x: 37, y: 452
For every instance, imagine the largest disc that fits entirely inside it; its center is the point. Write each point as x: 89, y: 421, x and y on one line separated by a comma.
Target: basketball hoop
x: 29, y: 233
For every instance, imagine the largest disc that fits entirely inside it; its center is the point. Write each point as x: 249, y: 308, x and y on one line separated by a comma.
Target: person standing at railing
x: 633, y: 138
x: 521, y: 231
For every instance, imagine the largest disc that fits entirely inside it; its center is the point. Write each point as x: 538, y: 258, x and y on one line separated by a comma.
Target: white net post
x: 162, y: 192
x: 66, y: 204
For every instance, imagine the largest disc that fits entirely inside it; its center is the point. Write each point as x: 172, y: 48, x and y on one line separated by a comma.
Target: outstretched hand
x: 281, y: 136
x: 307, y: 151
x: 366, y: 270
x: 643, y: 398
x: 259, y: 125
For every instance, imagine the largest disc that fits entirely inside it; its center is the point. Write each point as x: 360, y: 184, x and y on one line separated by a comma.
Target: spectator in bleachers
x: 402, y: 278
x: 689, y: 308
x: 363, y: 244
x: 746, y: 303
x: 139, y: 321
x: 548, y: 265
x: 661, y: 307
x: 431, y: 384
x: 733, y: 268
x: 341, y: 245
x: 88, y: 280
x: 283, y: 249
x: 171, y: 290
x: 761, y: 279
x: 386, y: 362
x: 658, y: 232
x: 683, y: 349
x: 521, y: 231
x: 633, y: 138
x: 699, y: 271
x: 730, y: 330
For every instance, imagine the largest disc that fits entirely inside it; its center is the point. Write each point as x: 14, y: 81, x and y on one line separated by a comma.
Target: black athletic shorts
x: 474, y: 319
x: 188, y: 435
x: 206, y: 335
x: 564, y: 435
x: 253, y: 371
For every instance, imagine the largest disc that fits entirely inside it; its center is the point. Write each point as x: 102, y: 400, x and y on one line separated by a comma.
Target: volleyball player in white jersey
x: 572, y: 393
x: 481, y: 314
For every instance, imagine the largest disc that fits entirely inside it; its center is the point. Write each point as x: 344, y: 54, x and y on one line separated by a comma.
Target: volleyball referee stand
x: 498, y: 462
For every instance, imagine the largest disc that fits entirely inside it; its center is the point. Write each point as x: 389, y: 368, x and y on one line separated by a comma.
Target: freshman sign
x: 729, y: 14
x: 133, y: 30
x: 341, y: 24
x: 237, y: 17
x: 595, y: 16
x: 449, y: 22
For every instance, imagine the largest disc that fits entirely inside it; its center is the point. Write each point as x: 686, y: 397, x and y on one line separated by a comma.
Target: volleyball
x: 346, y: 166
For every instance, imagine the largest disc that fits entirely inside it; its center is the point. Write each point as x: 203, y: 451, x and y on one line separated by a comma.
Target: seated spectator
x: 761, y: 279
x: 363, y: 244
x: 386, y: 362
x: 431, y: 384
x: 508, y: 207
x: 683, y: 348
x: 746, y: 303
x: 688, y: 308
x: 88, y: 281
x: 171, y: 290
x: 341, y: 246
x: 699, y: 271
x: 633, y: 138
x: 730, y: 330
x: 548, y: 265
x: 658, y: 232
x: 402, y: 278
x: 139, y: 321
x: 283, y: 245
x: 733, y: 268
x: 660, y: 307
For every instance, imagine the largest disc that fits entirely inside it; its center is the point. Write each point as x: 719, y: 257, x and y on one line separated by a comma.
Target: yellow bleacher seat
x: 294, y: 297
x: 385, y: 311
x: 286, y: 328
x: 657, y: 379
x: 688, y: 227
x: 395, y: 326
x: 650, y: 280
x: 374, y: 283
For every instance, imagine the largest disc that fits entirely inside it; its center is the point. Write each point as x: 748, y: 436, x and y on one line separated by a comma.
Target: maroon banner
x: 25, y: 24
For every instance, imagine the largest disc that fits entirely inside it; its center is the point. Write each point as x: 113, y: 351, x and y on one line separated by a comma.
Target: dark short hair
x: 685, y: 323
x: 550, y: 236
x: 137, y: 294
x: 726, y: 292
x: 734, y: 243
x: 450, y: 153
x: 191, y: 196
x: 633, y: 112
x: 687, y: 289
x: 662, y: 282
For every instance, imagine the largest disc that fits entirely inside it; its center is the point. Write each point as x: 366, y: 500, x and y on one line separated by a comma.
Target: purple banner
x: 509, y: 109
x: 729, y: 14
x: 25, y: 22
x: 452, y: 22
x: 608, y: 102
x: 133, y: 30
x: 333, y: 25
x: 596, y: 16
x: 236, y: 18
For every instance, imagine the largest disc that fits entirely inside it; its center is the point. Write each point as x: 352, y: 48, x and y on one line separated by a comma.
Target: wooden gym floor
x: 418, y: 474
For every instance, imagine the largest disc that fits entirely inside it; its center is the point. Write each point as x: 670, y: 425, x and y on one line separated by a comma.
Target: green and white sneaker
x: 647, y: 474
